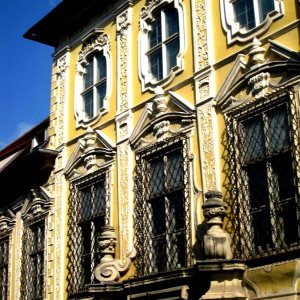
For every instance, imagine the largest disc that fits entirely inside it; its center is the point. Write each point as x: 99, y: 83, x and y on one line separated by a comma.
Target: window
x: 245, y: 19
x: 250, y: 13
x: 4, y: 255
x: 162, y: 209
x: 161, y: 43
x: 88, y: 213
x: 94, y: 84
x: 93, y: 79
x: 266, y: 180
x: 33, y: 264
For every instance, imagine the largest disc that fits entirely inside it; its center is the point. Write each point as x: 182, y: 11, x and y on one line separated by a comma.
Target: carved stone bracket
x: 216, y: 240
x: 110, y: 269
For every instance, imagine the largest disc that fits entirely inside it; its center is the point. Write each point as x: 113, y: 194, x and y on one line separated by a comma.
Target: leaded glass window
x: 88, y: 212
x: 4, y: 256
x: 264, y: 148
x: 162, y: 208
x: 33, y: 261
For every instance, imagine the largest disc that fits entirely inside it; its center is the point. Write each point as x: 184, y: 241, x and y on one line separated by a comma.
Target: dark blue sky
x: 25, y: 68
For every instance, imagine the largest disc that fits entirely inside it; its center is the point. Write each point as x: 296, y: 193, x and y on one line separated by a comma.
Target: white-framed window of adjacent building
x: 93, y: 79
x: 245, y: 19
x: 161, y: 43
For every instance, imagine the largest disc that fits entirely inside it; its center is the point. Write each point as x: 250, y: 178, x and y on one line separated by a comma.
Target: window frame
x: 235, y: 32
x: 244, y: 242
x: 93, y: 43
x: 149, y: 82
x: 95, y: 84
x: 29, y: 253
x: 77, y: 223
x: 149, y: 262
x: 4, y: 268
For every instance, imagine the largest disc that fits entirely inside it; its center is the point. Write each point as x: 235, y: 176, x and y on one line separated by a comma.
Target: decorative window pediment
x: 37, y: 204
x: 260, y: 76
x: 161, y: 42
x: 93, y: 79
x: 243, y: 20
x: 92, y: 152
x: 7, y: 221
x: 165, y: 116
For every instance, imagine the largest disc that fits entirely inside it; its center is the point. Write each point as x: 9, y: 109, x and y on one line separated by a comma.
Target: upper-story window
x: 161, y: 43
x: 245, y: 19
x: 93, y: 79
x: 250, y: 13
x: 94, y: 84
x: 162, y: 208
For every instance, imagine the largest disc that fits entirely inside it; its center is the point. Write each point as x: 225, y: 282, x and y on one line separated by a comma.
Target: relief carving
x: 123, y: 24
x: 98, y: 40
x: 201, y: 34
x: 110, y: 269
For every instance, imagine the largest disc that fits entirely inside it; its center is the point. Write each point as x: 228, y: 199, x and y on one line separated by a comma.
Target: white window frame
x: 93, y: 43
x: 146, y: 77
x: 235, y: 32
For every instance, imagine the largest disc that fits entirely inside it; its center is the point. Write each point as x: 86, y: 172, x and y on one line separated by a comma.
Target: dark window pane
x: 252, y: 139
x: 172, y: 52
x: 283, y: 174
x: 99, y: 199
x: 86, y: 203
x: 176, y: 214
x: 155, y: 33
x: 158, y: 217
x: 266, y: 6
x: 261, y: 225
x: 88, y: 104
x: 174, y: 170
x: 278, y: 130
x: 156, y: 177
x: 88, y: 76
x: 101, y: 93
x: 258, y: 185
x: 172, y: 25
x: 178, y: 253
x: 291, y: 226
x: 156, y: 65
x: 4, y: 244
x: 159, y: 247
x: 101, y: 67
x: 244, y: 13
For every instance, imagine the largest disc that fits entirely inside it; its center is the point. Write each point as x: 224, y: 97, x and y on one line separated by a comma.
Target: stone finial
x: 256, y: 53
x: 160, y: 101
x: 216, y: 241
x: 110, y: 269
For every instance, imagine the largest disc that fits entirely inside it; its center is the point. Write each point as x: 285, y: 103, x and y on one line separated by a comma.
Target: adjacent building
x: 171, y: 164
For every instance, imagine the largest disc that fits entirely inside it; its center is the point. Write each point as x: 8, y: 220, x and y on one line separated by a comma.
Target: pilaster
x: 123, y: 127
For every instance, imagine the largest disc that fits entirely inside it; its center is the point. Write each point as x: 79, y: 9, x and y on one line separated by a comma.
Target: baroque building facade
x: 170, y: 169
